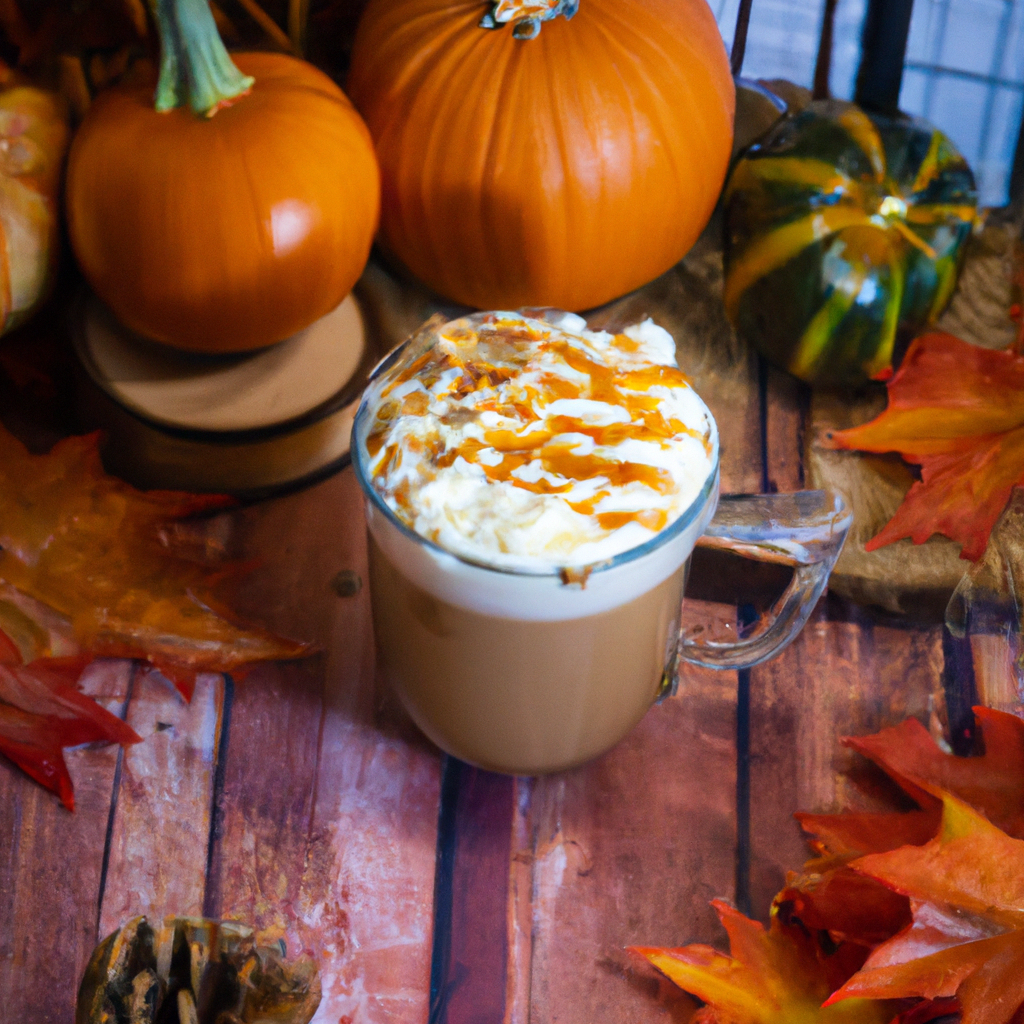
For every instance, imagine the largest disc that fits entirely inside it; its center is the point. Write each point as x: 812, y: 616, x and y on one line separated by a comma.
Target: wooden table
x: 301, y: 799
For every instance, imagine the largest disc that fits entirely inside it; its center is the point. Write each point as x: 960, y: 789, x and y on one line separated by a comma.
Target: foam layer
x: 542, y: 597
x: 534, y: 446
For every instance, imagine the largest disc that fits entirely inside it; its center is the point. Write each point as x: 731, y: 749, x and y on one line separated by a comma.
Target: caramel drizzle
x: 624, y: 388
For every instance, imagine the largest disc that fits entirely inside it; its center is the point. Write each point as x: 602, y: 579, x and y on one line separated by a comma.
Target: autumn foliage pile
x: 900, y: 917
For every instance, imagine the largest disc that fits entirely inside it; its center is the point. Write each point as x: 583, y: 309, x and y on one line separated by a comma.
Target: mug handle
x: 805, y: 530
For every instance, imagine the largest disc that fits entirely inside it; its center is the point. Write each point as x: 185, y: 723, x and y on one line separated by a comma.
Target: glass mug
x: 530, y: 672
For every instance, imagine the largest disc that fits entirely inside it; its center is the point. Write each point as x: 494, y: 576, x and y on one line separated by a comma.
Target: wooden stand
x: 246, y: 425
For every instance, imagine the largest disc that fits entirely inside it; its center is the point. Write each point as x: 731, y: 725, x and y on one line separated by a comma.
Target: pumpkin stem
x: 527, y: 15
x: 194, y: 65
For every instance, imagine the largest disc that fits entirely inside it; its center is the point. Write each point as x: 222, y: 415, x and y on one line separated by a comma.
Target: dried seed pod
x: 194, y: 971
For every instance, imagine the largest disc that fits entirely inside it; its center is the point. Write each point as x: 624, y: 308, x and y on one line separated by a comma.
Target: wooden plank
x: 330, y: 806
x: 844, y: 675
x: 269, y: 777
x: 786, y: 403
x: 519, y: 911
x: 471, y: 962
x: 839, y: 678
x: 367, y: 893
x: 161, y: 828
x: 51, y: 871
x: 629, y: 850
x: 996, y: 673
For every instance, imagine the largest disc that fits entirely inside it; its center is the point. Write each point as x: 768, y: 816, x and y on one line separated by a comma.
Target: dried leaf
x: 34, y: 746
x: 827, y: 895
x: 773, y: 976
x: 957, y: 411
x: 839, y: 838
x: 926, y: 905
x: 992, y: 783
x: 930, y: 1009
x: 42, y: 711
x: 9, y: 652
x: 966, y: 888
x: 47, y: 688
x: 849, y: 906
x: 108, y: 558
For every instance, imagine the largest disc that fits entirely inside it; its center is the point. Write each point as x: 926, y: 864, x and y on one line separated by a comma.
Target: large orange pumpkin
x: 564, y: 169
x: 230, y: 231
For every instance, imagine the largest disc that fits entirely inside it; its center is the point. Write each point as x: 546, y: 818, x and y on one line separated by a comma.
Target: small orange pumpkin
x: 33, y: 142
x: 229, y: 231
x: 558, y: 164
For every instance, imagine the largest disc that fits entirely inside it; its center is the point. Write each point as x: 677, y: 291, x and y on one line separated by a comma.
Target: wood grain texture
x: 997, y: 673
x: 162, y: 813
x: 843, y: 676
x: 266, y: 804
x: 629, y: 850
x: 367, y: 890
x: 330, y: 805
x: 786, y: 401
x: 836, y: 679
x: 471, y: 970
x: 51, y: 869
x: 519, y: 911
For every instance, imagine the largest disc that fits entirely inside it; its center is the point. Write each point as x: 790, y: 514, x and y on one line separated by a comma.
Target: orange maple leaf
x: 773, y: 976
x: 107, y: 557
x: 966, y: 888
x: 957, y: 411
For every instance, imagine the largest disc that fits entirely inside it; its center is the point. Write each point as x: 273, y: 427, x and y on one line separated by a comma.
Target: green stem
x: 194, y: 65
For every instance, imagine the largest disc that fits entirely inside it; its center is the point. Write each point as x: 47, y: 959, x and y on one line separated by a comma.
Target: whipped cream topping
x: 535, y: 444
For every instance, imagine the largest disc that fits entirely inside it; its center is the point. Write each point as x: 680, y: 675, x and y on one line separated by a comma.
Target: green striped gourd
x: 844, y: 233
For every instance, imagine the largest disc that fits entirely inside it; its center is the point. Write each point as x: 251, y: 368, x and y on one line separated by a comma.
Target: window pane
x: 972, y: 33
x: 965, y: 74
x: 782, y: 41
x: 849, y: 26
x: 1013, y: 64
x: 959, y: 107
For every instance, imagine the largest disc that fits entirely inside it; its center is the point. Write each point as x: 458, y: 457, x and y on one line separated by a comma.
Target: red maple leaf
x: 42, y: 711
x: 992, y: 783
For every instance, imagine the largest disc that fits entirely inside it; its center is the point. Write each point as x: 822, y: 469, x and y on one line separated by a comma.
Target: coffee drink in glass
x: 533, y: 493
